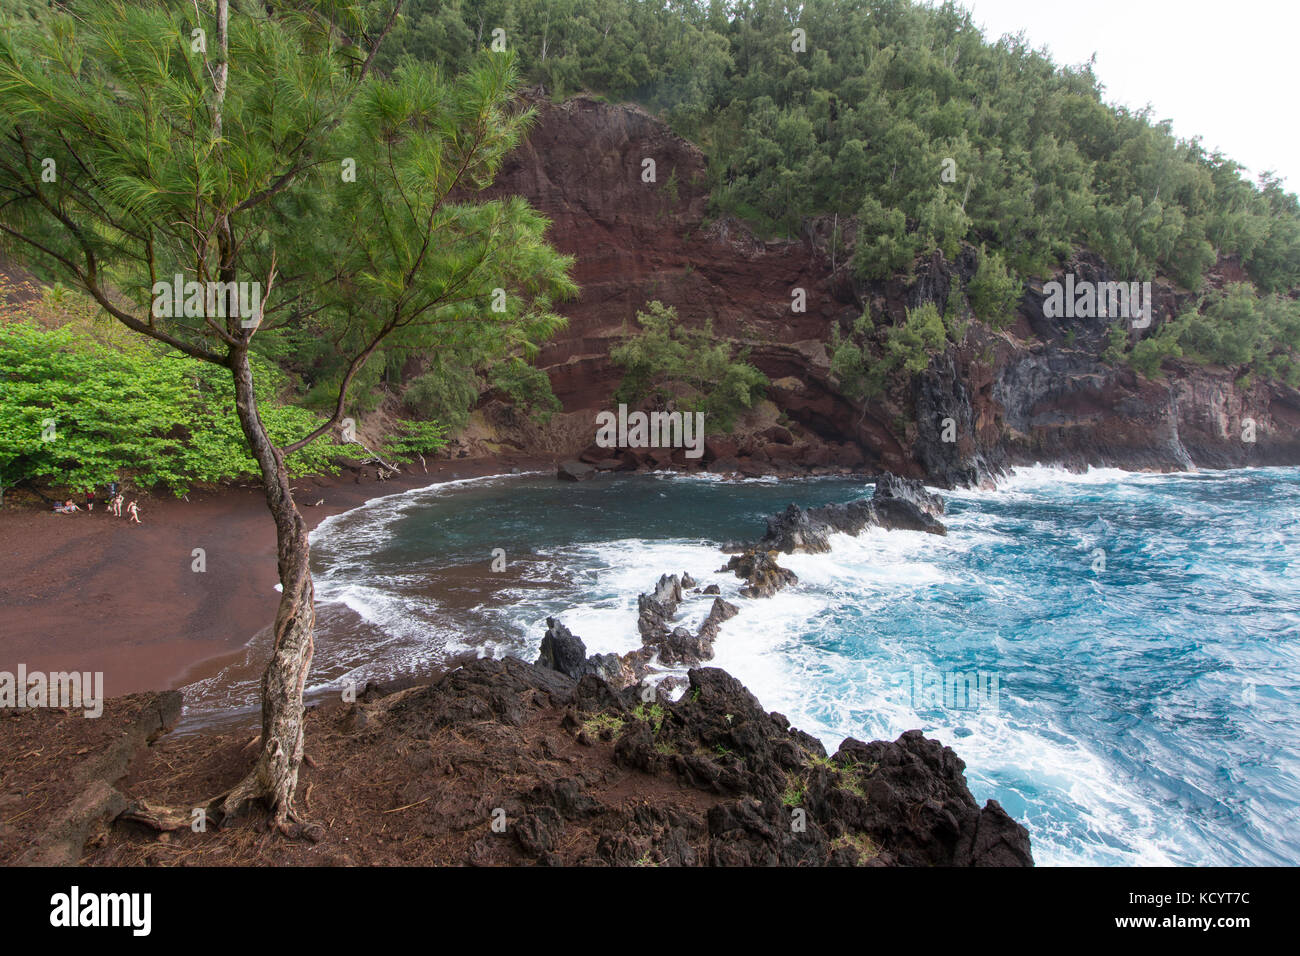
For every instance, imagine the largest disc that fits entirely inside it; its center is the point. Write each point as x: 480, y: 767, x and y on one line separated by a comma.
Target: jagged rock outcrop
x: 501, y: 762
x: 882, y: 803
x: 561, y: 650
x: 798, y: 530
x: 719, y: 781
x: 954, y: 446
x: 564, y: 651
x: 909, y: 490
x: 677, y: 645
x: 719, y: 612
x: 680, y: 646
x: 655, y: 611
x: 903, y: 504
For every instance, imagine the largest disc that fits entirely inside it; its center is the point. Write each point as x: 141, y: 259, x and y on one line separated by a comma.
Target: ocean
x: 1114, y: 655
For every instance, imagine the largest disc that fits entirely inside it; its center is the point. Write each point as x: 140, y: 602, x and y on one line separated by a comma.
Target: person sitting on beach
x: 67, y: 508
x: 134, y: 513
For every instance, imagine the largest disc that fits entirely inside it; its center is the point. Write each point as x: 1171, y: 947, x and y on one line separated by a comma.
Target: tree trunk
x: 275, y: 777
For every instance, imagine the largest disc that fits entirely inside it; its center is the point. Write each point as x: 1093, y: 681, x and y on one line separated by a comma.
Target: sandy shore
x: 90, y: 592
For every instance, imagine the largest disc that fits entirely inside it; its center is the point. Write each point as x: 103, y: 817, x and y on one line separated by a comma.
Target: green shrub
x: 994, y: 292
x: 446, y: 393
x: 414, y: 438
x: 910, y: 345
x: 883, y: 244
x: 139, y: 410
x: 1149, y: 353
x: 851, y: 362
x: 528, y: 386
x: 670, y: 362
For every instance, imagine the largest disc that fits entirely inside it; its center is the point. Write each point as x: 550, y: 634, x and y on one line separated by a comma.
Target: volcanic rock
x: 574, y: 471
x: 758, y: 568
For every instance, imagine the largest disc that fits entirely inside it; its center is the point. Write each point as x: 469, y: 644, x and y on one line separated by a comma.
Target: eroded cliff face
x: 1037, y: 393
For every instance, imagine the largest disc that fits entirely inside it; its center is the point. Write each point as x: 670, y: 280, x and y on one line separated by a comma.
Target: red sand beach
x: 90, y: 592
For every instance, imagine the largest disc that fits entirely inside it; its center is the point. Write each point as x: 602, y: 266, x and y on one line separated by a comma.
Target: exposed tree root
x: 225, y: 807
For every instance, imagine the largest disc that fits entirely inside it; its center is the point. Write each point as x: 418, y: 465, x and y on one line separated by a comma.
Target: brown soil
x: 396, y: 801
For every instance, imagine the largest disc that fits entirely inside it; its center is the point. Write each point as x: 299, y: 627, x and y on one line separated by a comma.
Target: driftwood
x: 163, y: 819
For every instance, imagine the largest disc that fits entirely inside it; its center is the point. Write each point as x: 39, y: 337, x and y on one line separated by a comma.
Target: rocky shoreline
x: 501, y: 762
x: 573, y: 760
x: 895, y: 504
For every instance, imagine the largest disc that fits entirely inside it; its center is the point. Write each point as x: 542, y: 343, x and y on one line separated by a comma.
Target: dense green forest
x: 86, y: 403
x: 862, y: 121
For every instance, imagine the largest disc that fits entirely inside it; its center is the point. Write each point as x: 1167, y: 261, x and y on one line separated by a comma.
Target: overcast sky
x: 1224, y: 71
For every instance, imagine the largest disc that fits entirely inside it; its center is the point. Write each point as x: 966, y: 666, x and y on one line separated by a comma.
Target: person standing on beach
x: 90, y: 500
x: 134, y: 513
x: 115, y: 506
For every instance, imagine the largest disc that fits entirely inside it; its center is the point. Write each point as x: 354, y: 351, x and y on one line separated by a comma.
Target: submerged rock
x: 897, y: 504
x: 574, y: 471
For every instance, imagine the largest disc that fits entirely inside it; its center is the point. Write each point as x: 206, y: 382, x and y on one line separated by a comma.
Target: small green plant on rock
x: 862, y: 844
x: 794, y: 791
x: 599, y: 724
x: 652, y: 714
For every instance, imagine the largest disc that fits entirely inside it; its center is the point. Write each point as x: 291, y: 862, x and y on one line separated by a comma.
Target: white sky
x: 1224, y: 71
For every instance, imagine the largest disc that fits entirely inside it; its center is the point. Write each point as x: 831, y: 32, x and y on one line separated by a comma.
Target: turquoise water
x: 1133, y: 639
